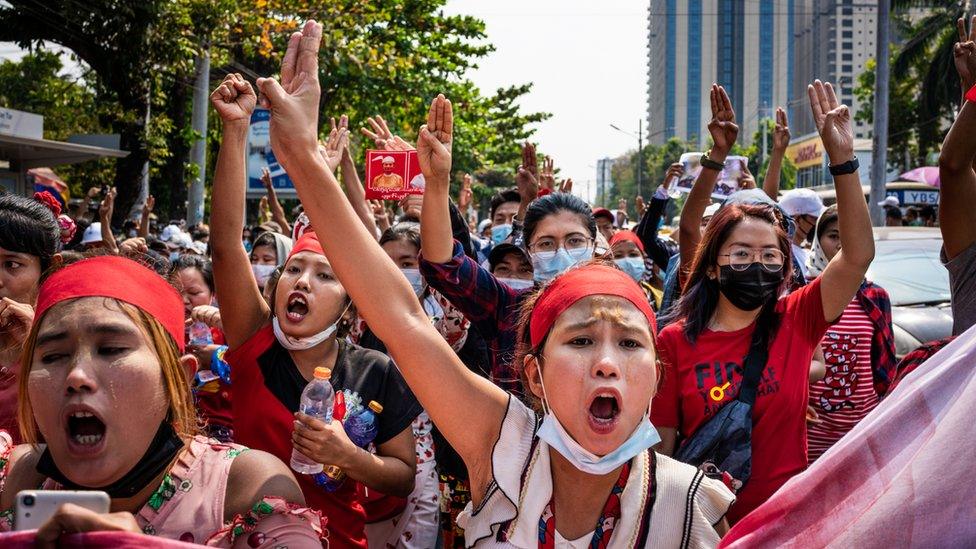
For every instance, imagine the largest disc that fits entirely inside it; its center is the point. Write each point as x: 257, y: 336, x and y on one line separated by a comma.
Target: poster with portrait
x: 392, y: 175
x: 728, y: 178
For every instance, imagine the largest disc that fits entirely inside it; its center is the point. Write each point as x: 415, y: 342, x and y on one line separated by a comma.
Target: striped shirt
x: 846, y: 393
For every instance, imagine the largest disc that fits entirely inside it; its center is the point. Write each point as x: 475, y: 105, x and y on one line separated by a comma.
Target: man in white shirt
x: 805, y: 207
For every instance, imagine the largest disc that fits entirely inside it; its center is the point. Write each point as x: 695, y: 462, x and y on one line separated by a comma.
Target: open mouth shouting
x: 604, y: 410
x: 85, y: 430
x: 297, y: 307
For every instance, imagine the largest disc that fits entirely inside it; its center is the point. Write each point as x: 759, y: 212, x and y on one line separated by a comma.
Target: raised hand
x: 746, y: 180
x: 434, y: 142
x: 546, y: 178
x: 108, y: 205
x: 465, y: 194
x: 566, y: 186
x: 640, y: 206
x: 964, y: 53
x: 234, y: 99
x: 150, y: 205
x: 381, y: 131
x: 722, y: 126
x: 294, y: 103
x: 833, y: 121
x: 673, y: 174
x: 781, y: 133
x: 266, y: 179
x: 336, y: 146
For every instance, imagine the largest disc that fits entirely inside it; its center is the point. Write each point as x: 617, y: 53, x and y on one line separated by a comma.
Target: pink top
x: 189, y: 504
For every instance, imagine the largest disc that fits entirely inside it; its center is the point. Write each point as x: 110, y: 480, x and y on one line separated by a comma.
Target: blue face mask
x: 553, y: 433
x: 247, y: 246
x: 173, y: 256
x: 499, y: 233
x: 633, y: 266
x: 517, y: 283
x: 416, y: 280
x: 549, y: 265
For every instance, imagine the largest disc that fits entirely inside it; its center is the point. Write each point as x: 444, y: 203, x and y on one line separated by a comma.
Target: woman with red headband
x: 734, y: 308
x: 101, y: 363
x: 275, y: 348
x: 628, y: 253
x: 587, y: 474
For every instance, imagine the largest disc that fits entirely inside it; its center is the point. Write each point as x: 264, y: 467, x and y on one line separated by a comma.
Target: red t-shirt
x: 8, y: 400
x: 779, y: 442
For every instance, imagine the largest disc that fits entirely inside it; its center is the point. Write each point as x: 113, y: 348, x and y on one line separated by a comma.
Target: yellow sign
x: 806, y: 153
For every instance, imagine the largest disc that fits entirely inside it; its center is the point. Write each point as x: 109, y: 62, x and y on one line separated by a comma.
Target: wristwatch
x: 850, y: 166
x: 707, y: 162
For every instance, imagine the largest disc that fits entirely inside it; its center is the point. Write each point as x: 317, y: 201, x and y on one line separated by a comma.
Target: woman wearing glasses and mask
x: 558, y: 233
x: 736, y: 283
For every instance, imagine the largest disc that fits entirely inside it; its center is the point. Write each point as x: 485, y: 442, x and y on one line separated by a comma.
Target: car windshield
x: 911, y: 271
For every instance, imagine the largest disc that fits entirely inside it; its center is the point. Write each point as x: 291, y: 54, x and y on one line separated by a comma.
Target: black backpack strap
x: 755, y: 361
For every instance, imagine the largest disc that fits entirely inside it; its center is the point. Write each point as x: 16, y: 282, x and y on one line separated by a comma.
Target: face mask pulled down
x: 553, y: 434
x: 303, y: 343
x: 751, y: 288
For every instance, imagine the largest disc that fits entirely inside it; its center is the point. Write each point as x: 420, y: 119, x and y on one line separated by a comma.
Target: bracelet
x: 707, y: 162
x: 971, y: 94
x: 848, y: 167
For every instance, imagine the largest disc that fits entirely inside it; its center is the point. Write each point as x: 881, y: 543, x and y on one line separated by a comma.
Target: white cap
x: 711, y: 209
x: 799, y: 202
x: 388, y: 160
x: 198, y: 247
x: 483, y: 225
x: 890, y: 201
x: 92, y: 234
x: 169, y: 231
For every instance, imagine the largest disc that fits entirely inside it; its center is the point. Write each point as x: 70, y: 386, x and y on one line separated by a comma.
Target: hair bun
x: 52, y: 203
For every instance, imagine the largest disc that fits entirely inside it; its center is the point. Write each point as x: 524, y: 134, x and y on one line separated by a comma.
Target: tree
x: 37, y: 84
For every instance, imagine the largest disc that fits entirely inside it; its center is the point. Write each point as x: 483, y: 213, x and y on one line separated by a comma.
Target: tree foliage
x: 377, y: 57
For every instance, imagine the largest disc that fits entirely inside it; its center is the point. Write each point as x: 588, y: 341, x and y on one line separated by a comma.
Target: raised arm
x: 277, y: 212
x: 237, y: 291
x: 527, y: 180
x: 436, y: 232
x: 339, y: 140
x: 781, y: 140
x: 845, y: 272
x: 646, y: 229
x: 147, y: 209
x: 467, y: 408
x: 724, y: 132
x: 105, y: 217
x: 957, y: 199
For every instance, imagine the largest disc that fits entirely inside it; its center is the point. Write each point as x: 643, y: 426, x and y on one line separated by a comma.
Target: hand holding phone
x: 36, y: 507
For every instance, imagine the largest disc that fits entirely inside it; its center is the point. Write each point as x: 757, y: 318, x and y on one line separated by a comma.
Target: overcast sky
x: 588, y: 61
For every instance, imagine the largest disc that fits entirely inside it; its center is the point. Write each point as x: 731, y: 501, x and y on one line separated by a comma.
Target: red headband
x: 576, y: 284
x: 308, y: 242
x: 627, y: 236
x: 118, y: 278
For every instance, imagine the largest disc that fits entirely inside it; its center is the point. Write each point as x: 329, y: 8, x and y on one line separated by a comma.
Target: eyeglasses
x: 572, y: 243
x: 740, y: 257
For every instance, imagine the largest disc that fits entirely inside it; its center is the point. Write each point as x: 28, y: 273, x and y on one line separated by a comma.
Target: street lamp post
x: 640, y: 150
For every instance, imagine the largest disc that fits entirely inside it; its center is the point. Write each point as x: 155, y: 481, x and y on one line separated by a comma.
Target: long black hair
x: 701, y: 294
x: 551, y: 204
x: 29, y: 227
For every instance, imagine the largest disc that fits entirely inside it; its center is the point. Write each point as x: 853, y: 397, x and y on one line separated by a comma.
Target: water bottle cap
x: 322, y: 373
x: 375, y: 407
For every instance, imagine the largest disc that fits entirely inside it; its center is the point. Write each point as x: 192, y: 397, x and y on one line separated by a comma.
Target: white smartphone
x: 35, y: 507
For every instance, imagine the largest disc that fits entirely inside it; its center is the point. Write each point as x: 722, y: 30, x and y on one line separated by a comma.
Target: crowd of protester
x: 555, y: 375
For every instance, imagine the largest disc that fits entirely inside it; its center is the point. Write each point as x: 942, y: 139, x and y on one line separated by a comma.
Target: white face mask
x: 303, y: 343
x: 517, y: 283
x: 415, y: 279
x: 262, y: 273
x: 553, y: 434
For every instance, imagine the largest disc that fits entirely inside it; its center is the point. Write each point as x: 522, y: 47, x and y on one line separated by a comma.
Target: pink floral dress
x: 189, y: 504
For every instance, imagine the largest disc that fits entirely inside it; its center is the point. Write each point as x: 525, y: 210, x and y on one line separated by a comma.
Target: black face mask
x: 749, y: 289
x: 163, y: 448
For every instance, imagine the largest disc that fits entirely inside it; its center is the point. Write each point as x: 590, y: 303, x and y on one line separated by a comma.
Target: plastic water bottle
x: 317, y: 400
x: 200, y: 334
x: 361, y: 427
